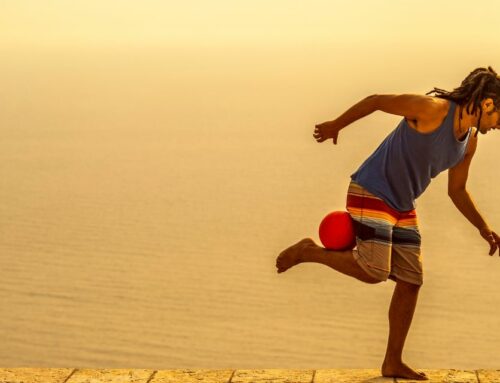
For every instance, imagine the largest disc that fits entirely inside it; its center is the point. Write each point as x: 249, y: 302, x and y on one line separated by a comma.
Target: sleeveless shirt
x: 402, y: 167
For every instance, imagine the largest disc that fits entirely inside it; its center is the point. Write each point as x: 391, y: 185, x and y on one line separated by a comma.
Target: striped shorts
x: 387, y: 241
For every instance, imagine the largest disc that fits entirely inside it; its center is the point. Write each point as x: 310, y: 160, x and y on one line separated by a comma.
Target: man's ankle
x: 393, y: 359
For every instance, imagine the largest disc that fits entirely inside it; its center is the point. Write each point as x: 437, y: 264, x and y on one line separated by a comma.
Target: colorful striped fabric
x: 388, y: 241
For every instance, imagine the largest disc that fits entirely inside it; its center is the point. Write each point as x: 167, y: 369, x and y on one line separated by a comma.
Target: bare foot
x: 291, y: 256
x: 401, y: 370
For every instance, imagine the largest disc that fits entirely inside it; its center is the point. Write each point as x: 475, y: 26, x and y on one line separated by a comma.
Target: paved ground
x: 72, y: 375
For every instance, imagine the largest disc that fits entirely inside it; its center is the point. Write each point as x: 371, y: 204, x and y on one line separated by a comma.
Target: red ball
x: 336, y: 231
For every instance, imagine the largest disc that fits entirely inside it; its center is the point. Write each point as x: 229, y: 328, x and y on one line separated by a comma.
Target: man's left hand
x: 492, y: 238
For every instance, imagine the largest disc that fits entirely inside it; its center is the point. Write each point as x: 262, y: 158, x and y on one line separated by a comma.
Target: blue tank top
x: 402, y: 167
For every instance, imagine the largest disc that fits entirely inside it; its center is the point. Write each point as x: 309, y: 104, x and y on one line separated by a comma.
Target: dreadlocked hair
x: 481, y: 83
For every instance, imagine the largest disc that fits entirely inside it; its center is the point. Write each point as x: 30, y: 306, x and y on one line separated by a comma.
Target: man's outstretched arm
x: 457, y: 179
x: 412, y: 106
x: 464, y: 203
x: 331, y: 129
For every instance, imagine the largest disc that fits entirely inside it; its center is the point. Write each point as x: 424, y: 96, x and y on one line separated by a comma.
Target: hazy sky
x: 155, y: 21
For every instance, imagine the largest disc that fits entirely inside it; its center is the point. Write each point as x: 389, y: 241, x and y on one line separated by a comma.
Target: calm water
x: 146, y: 193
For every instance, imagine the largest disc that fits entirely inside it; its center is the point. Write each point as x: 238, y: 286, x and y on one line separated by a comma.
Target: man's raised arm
x: 412, y: 106
x: 331, y: 129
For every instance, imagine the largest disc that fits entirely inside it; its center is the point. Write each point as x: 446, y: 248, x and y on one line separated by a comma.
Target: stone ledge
x: 88, y: 375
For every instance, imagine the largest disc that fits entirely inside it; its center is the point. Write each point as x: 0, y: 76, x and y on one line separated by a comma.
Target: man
x: 437, y: 133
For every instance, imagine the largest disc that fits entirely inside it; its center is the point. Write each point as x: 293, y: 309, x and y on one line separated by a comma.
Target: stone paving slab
x: 444, y: 376
x: 89, y: 375
x: 489, y: 376
x: 372, y: 375
x: 34, y: 375
x: 273, y: 376
x: 192, y: 376
x: 71, y: 375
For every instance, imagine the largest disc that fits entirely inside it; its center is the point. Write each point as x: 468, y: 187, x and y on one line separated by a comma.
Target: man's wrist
x: 484, y: 229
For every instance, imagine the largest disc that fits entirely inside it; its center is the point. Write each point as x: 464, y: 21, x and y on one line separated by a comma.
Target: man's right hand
x: 326, y: 130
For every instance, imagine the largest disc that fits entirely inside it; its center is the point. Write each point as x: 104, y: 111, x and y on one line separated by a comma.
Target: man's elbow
x: 454, y: 192
x: 372, y: 101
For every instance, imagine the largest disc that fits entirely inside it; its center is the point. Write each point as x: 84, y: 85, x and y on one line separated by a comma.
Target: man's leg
x: 358, y: 200
x: 307, y: 251
x: 401, y: 311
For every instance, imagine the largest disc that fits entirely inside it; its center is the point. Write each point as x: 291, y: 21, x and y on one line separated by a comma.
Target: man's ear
x: 488, y: 105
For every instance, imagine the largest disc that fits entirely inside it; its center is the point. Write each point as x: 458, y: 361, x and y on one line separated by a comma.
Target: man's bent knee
x: 360, y: 273
x: 371, y: 280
